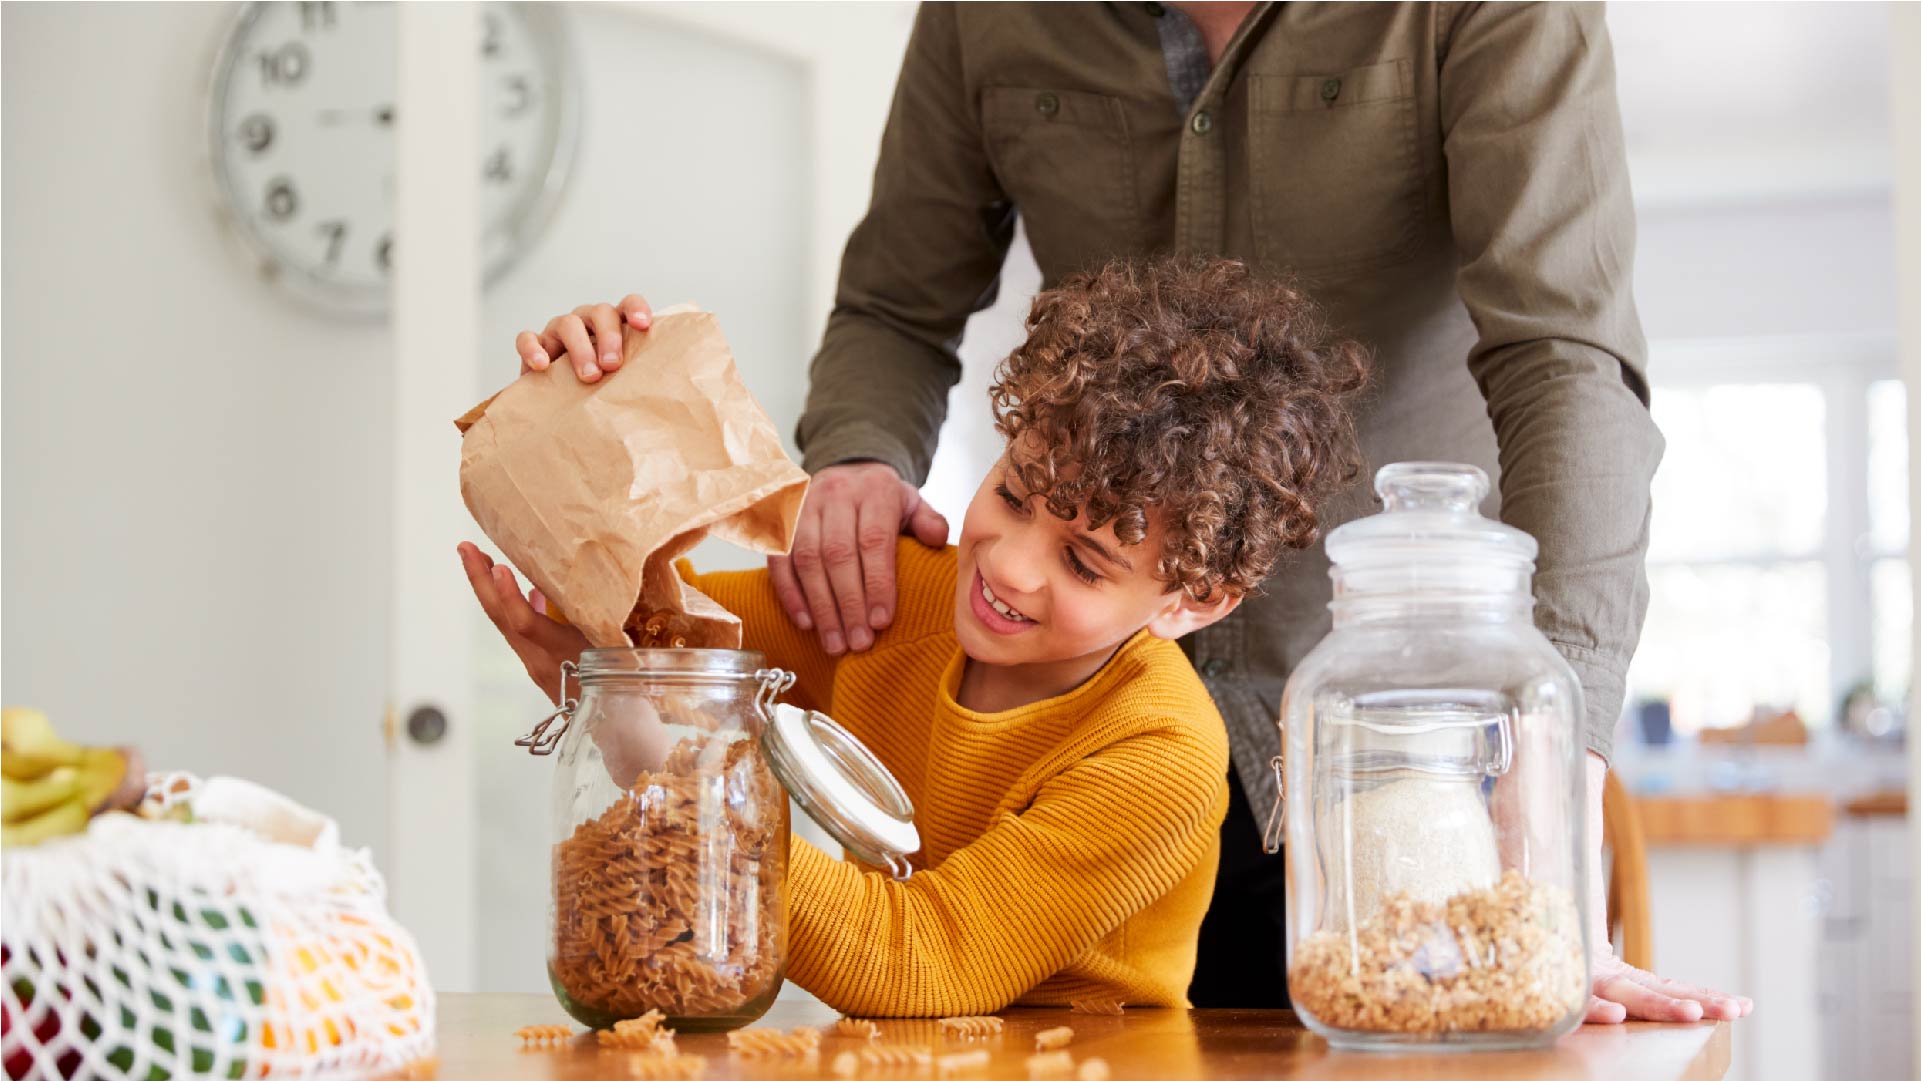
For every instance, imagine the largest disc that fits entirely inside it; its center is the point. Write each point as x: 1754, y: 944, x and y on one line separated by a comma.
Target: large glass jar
x: 1433, y: 787
x: 670, y: 831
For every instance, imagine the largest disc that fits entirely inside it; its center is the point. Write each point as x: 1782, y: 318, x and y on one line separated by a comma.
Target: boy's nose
x: 1013, y: 567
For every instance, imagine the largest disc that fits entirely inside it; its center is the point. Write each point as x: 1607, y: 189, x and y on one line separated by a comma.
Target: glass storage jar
x: 670, y: 831
x: 1432, y: 782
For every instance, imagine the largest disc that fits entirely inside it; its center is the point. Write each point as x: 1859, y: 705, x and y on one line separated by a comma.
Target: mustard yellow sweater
x: 1069, y: 846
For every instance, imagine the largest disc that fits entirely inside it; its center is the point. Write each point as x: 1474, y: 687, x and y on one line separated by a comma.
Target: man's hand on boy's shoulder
x: 590, y: 336
x: 838, y: 579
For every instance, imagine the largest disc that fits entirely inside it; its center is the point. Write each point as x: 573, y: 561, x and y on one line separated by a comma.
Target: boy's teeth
x: 988, y: 593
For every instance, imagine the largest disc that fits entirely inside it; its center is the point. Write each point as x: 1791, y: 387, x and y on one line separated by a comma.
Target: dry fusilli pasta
x: 970, y: 1028
x: 857, y: 1026
x: 670, y: 900
x: 1112, y: 1007
x: 666, y: 1067
x: 1053, y: 1039
x: 774, y: 1042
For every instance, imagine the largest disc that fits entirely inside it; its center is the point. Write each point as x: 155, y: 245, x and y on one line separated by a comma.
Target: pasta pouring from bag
x: 592, y: 490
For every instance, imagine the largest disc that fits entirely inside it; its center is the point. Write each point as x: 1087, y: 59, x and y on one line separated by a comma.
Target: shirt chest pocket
x: 1336, y: 183
x: 1066, y: 160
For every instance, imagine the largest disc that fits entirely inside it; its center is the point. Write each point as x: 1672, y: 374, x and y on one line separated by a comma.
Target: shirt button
x: 1047, y: 104
x: 1213, y: 666
x: 1203, y: 122
x: 1330, y: 90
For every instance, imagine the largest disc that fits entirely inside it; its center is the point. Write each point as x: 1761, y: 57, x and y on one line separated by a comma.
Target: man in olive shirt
x: 1448, y: 180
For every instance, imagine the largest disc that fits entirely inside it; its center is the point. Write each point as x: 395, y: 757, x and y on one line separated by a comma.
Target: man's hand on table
x: 1622, y: 992
x: 839, y: 578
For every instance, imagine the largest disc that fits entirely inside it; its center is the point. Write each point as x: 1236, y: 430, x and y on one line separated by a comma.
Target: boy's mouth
x: 999, y: 616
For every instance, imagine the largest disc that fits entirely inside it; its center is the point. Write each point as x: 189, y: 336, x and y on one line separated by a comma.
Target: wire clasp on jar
x: 541, y: 741
x: 1276, y: 818
x: 774, y: 682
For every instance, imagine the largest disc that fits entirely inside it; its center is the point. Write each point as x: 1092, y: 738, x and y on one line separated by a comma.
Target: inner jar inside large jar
x: 670, y: 851
x: 1444, y: 842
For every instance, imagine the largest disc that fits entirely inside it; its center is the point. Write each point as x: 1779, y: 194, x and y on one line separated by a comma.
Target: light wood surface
x: 477, y: 1044
x: 1627, y: 899
x: 1774, y: 819
x: 1892, y: 802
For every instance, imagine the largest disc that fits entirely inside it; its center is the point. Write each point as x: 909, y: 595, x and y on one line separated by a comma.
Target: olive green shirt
x: 1448, y: 180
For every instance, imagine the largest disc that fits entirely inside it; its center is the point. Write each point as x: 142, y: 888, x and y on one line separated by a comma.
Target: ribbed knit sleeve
x: 1101, y: 840
x: 764, y: 627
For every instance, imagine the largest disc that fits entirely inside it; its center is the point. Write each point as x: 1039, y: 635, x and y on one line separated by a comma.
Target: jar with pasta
x: 1432, y: 787
x: 670, y: 830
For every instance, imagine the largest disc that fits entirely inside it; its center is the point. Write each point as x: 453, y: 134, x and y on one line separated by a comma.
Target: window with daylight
x: 1777, y: 557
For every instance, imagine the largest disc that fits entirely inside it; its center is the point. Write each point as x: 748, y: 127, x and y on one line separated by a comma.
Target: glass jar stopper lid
x: 841, y: 785
x: 1431, y: 512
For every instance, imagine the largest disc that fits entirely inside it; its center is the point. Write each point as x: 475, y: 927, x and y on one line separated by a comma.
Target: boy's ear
x: 1187, y: 615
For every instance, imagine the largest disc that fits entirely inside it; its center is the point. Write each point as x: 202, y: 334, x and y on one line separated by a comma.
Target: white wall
x: 196, y: 513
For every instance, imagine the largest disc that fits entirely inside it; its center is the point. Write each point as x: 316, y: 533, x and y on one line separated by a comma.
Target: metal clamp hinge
x: 540, y: 740
x: 1276, y: 818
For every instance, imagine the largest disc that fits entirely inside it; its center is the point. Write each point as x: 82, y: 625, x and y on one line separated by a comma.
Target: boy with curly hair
x: 1172, y: 427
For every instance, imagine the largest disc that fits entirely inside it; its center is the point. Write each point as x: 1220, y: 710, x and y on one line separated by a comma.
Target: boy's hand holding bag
x: 593, y: 490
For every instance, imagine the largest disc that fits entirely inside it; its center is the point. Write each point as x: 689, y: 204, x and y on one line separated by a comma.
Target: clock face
x: 301, y: 119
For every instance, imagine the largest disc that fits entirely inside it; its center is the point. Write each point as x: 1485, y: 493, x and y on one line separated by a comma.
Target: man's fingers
x: 927, y: 524
x: 480, y: 575
x: 605, y: 323
x: 634, y: 309
x: 877, y: 528
x: 1713, y: 1003
x: 1602, y: 1012
x: 532, y: 354
x: 810, y: 568
x: 840, y: 550
x: 780, y: 570
x: 580, y: 348
x: 1645, y: 1003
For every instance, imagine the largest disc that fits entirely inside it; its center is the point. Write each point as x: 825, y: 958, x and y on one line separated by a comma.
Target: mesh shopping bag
x: 244, y: 942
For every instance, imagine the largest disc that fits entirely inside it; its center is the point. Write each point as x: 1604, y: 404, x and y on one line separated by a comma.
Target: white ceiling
x: 1746, y: 101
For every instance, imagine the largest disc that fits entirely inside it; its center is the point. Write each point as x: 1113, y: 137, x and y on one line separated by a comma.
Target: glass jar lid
x: 1430, y: 533
x: 841, y: 785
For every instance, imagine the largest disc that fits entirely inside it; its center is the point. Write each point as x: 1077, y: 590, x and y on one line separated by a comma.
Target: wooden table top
x: 477, y: 1044
x: 1736, y: 819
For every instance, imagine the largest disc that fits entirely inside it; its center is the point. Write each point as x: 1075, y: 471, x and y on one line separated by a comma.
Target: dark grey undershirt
x: 1185, y: 52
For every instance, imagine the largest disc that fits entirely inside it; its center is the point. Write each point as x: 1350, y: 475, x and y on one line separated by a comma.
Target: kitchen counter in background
x: 1781, y: 872
x: 477, y: 1044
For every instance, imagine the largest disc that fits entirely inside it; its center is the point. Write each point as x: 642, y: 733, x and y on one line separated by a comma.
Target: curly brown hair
x: 1190, y: 386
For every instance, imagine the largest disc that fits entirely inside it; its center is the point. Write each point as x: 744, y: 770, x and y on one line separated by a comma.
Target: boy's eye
x: 1008, y: 498
x: 1082, y: 570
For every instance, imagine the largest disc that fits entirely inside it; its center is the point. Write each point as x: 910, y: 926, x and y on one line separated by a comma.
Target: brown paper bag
x: 592, y: 490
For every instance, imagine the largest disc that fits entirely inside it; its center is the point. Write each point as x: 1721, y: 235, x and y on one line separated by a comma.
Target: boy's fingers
x: 1713, y: 1003
x: 877, y: 531
x: 527, y: 344
x: 812, y: 572
x: 579, y: 347
x: 633, y: 307
x: 605, y: 322
x: 840, y: 550
x: 780, y: 570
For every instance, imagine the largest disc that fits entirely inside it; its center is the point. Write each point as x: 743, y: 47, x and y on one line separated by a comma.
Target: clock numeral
x: 384, y: 253
x: 520, y: 96
x: 490, y: 36
x: 336, y: 234
x: 256, y: 133
x: 316, y: 16
x: 282, y: 203
x: 500, y: 168
x: 284, y: 66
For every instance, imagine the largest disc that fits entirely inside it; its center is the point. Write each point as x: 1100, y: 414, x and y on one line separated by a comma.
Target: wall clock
x: 300, y: 122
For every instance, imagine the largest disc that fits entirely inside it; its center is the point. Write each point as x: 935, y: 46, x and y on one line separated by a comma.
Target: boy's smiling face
x: 1036, y: 590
